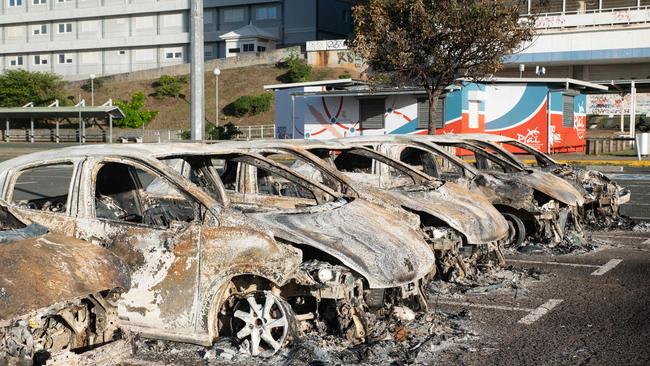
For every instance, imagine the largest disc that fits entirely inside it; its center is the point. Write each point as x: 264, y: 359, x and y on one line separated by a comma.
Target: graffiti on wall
x: 610, y: 104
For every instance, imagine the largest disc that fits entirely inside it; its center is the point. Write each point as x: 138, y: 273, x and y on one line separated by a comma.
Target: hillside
x: 174, y: 113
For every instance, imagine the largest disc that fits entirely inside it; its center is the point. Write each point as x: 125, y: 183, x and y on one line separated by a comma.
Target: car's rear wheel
x: 262, y: 322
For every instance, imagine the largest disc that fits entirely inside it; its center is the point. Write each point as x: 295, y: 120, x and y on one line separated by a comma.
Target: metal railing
x: 256, y: 132
x: 593, y: 18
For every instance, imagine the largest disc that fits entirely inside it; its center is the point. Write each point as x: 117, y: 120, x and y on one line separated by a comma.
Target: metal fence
x: 95, y: 135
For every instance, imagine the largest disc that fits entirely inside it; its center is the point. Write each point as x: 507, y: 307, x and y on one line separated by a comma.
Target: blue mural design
x: 533, y: 96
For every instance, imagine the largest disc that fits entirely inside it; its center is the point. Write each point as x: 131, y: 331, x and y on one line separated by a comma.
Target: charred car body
x: 197, y: 270
x: 56, y: 293
x: 453, y: 219
x: 536, y: 205
x: 603, y: 196
x: 351, y: 262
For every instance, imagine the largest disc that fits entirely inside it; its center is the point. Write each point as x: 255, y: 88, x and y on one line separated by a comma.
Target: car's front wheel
x: 261, y: 322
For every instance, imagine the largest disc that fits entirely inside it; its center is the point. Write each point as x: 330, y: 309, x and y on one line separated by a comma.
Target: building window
x: 249, y: 47
x: 423, y: 113
x: 13, y: 3
x: 265, y: 13
x: 63, y: 1
x: 567, y: 110
x: 16, y: 61
x: 233, y: 15
x: 234, y: 50
x: 39, y: 2
x: 122, y: 52
x: 65, y: 27
x: 40, y: 60
x: 39, y: 29
x: 207, y: 53
x: 64, y: 59
x: 261, y: 49
x: 173, y: 55
x: 372, y: 112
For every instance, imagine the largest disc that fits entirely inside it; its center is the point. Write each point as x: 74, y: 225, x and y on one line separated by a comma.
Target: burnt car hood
x: 469, y: 213
x: 39, y: 272
x: 368, y: 239
x: 547, y: 183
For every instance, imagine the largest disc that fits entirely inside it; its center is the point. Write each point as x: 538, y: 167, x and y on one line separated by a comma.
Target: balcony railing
x: 594, y: 18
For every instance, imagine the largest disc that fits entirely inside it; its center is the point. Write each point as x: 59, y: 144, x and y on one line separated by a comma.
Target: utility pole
x: 196, y: 70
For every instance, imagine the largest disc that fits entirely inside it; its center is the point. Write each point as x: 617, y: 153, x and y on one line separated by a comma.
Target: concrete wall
x: 261, y: 58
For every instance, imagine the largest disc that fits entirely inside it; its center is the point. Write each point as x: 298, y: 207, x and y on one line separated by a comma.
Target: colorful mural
x: 517, y: 110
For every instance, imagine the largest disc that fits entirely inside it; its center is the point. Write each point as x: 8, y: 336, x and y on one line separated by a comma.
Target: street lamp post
x: 92, y: 89
x: 216, y: 72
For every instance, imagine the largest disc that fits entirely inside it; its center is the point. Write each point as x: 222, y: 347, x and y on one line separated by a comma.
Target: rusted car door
x: 152, y: 226
x: 44, y: 193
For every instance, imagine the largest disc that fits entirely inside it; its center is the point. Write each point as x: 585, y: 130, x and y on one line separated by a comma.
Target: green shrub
x: 135, y: 114
x: 19, y: 87
x: 88, y: 85
x: 345, y: 75
x: 169, y: 86
x: 252, y: 104
x: 299, y: 69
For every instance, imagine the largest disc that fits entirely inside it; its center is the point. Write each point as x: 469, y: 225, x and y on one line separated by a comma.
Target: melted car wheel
x: 262, y: 322
x: 517, y: 232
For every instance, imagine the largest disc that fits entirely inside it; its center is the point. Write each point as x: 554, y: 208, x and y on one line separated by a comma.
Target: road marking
x: 554, y: 263
x: 606, y: 267
x: 610, y: 236
x: 483, y: 306
x: 540, y: 311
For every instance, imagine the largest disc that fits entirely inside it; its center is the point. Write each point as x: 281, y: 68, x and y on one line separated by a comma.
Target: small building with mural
x: 514, y: 107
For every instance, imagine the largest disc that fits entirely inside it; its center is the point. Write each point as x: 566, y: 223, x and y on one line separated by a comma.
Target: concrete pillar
x: 197, y: 115
x: 57, y: 136
x: 7, y: 131
x: 632, y: 110
x: 110, y: 129
x: 31, y: 130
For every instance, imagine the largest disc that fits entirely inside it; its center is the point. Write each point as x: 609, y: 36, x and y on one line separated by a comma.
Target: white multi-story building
x: 588, y: 40
x: 76, y: 38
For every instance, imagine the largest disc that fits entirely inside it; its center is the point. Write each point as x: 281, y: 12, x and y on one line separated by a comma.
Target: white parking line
x: 612, y: 236
x: 483, y: 306
x: 553, y: 263
x: 606, y: 267
x: 540, y: 311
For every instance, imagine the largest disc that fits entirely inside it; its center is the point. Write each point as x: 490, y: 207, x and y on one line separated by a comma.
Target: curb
x: 629, y: 163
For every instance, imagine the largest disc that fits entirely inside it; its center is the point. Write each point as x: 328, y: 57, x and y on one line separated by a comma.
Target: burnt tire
x: 263, y: 321
x: 517, y: 230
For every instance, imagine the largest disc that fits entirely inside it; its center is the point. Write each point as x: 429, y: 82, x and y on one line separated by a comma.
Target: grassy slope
x: 174, y: 113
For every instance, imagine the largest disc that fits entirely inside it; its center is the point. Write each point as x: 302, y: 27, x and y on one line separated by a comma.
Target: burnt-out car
x: 197, y: 269
x: 603, y: 197
x: 537, y: 205
x: 368, y: 255
x: 56, y: 293
x: 457, y: 224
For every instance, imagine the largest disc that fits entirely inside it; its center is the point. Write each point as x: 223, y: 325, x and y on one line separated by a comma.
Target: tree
x: 169, y: 86
x: 135, y: 115
x: 19, y: 87
x: 431, y: 43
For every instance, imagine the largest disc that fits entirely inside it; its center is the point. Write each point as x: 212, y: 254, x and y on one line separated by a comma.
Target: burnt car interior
x: 12, y: 229
x: 126, y: 193
x: 363, y: 165
x: 482, y: 159
x: 36, y: 190
x: 431, y: 164
x: 254, y: 184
